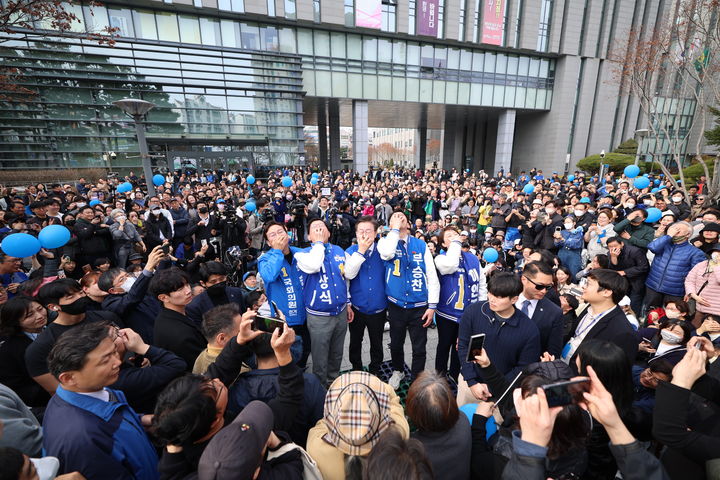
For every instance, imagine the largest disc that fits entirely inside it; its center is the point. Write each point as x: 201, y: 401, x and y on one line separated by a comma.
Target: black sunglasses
x: 538, y: 286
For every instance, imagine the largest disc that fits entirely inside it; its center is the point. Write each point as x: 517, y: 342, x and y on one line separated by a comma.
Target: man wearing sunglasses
x: 537, y: 279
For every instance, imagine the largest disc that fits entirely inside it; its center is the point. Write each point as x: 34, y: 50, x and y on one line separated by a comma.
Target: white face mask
x: 670, y: 337
x: 221, y: 207
x: 672, y: 314
x: 677, y: 199
x: 715, y: 256
x: 128, y: 283
x: 569, y: 226
x: 649, y: 203
x: 579, y: 213
x: 550, y: 211
x: 157, y: 213
x: 629, y: 205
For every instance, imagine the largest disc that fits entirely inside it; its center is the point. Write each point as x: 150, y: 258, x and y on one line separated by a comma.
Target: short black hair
x: 272, y: 224
x: 72, y: 348
x: 615, y: 239
x: 505, y: 285
x: 535, y: 267
x: 365, y: 219
x: 167, y: 281
x: 185, y: 411
x: 261, y: 346
x: 52, y: 292
x: 11, y: 463
x: 13, y: 312
x: 316, y: 220
x: 610, y: 280
x: 219, y: 319
x: 603, y: 260
x: 106, y: 280
x: 86, y: 207
x: 253, y: 296
x: 642, y: 211
x: 211, y: 268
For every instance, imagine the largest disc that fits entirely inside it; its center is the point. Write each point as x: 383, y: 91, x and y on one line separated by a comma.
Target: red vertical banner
x: 493, y: 25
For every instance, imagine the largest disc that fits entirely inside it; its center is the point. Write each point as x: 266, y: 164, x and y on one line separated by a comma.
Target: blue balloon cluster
x: 54, y: 236
x: 529, y: 188
x: 94, y: 202
x: 571, y: 178
x: 314, y: 180
x: 124, y: 187
x: 632, y: 171
x: 250, y: 180
x: 158, y: 180
x: 250, y: 206
x: 20, y: 245
x: 287, y: 182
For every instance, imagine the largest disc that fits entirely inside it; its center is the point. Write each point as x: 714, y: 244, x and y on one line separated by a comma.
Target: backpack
x: 310, y: 468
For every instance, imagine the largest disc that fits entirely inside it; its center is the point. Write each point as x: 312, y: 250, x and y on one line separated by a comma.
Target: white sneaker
x: 386, y: 327
x: 395, y: 379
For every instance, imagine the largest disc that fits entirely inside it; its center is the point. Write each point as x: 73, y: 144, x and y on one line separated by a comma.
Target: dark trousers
x: 636, y: 300
x: 302, y: 330
x: 375, y: 323
x: 410, y: 320
x: 447, y: 339
x: 656, y: 299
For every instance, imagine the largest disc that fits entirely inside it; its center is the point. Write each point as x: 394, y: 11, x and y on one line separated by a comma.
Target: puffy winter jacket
x: 710, y: 292
x: 671, y: 265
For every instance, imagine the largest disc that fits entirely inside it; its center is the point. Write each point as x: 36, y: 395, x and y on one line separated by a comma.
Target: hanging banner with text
x: 493, y: 22
x: 427, y: 18
x: 368, y: 13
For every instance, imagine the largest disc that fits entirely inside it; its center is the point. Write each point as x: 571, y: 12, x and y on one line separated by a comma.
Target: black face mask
x: 203, y: 210
x: 70, y: 223
x: 217, y: 290
x: 77, y: 307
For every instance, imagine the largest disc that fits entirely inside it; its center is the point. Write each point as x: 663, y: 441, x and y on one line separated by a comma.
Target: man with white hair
x: 675, y: 256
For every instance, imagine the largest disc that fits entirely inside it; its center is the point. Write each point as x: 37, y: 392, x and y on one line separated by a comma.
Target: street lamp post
x: 137, y: 110
x: 639, y: 134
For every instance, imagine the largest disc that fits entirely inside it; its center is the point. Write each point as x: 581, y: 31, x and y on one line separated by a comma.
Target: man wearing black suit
x: 537, y: 279
x: 213, y: 276
x: 631, y: 263
x: 603, y: 319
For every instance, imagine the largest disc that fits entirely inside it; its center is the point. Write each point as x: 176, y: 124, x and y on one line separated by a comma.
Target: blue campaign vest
x: 325, y: 292
x: 405, y: 275
x: 285, y: 290
x: 460, y: 289
x: 367, y: 289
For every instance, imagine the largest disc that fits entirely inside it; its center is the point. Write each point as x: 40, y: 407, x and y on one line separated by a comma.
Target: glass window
x: 145, y: 24
x: 232, y: 5
x: 389, y: 11
x: 411, y: 16
x: 305, y: 42
x: 384, y: 50
x: 461, y: 29
x: 354, y: 47
x: 453, y: 58
x: 398, y: 54
x: 370, y: 49
x: 250, y: 34
x: 189, y: 28
x: 167, y: 26
x: 322, y: 43
x: 121, y: 18
x: 349, y: 13
x: 337, y: 45
x: 441, y: 19
x: 271, y: 8
x: 269, y: 39
x: 96, y: 19
x: 476, y: 22
x: 197, y: 3
x: 287, y: 40
x: 316, y: 11
x: 210, y: 30
x: 544, y: 26
x: 230, y: 33
x: 290, y: 10
x: 413, y: 53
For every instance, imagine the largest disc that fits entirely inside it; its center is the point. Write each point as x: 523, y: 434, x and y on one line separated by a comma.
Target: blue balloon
x: 314, y: 181
x: 654, y: 190
x: 315, y: 174
x: 585, y: 200
x: 571, y: 178
x: 250, y: 206
x: 490, y: 426
x: 54, y: 236
x: 528, y: 188
x: 20, y: 245
x: 490, y: 255
x: 632, y: 171
x: 250, y: 180
x: 94, y: 202
x: 654, y: 214
x: 124, y: 187
x: 158, y: 180
x: 641, y: 182
x: 656, y: 182
x: 287, y: 182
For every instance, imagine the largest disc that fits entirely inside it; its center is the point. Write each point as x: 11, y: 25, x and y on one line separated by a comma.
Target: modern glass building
x: 235, y: 81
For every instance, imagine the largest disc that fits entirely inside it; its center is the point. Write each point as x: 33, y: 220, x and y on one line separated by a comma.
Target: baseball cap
x: 236, y: 451
x: 464, y: 233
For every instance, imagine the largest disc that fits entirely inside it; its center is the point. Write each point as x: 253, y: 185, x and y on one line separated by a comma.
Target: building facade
x: 512, y: 84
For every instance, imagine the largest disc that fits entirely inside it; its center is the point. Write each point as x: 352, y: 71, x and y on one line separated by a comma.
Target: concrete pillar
x: 334, y: 123
x: 322, y: 135
x: 360, y: 135
x: 504, y: 143
x: 421, y: 138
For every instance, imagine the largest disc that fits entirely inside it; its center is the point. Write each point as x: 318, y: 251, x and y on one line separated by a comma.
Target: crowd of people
x: 200, y: 332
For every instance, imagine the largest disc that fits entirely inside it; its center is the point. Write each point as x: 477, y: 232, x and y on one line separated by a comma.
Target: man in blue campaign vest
x: 412, y: 288
x: 366, y: 272
x: 462, y: 283
x: 278, y: 270
x: 322, y: 274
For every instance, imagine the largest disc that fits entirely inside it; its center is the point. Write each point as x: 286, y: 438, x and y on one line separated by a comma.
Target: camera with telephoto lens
x: 266, y: 215
x: 297, y: 208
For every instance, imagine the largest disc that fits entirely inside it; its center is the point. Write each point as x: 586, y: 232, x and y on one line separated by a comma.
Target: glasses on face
x: 114, y: 331
x: 538, y: 286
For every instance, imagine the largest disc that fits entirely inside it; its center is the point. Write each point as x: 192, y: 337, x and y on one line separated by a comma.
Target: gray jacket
x: 21, y: 429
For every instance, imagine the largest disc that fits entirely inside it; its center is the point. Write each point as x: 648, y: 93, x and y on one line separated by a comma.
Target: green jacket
x: 640, y: 235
